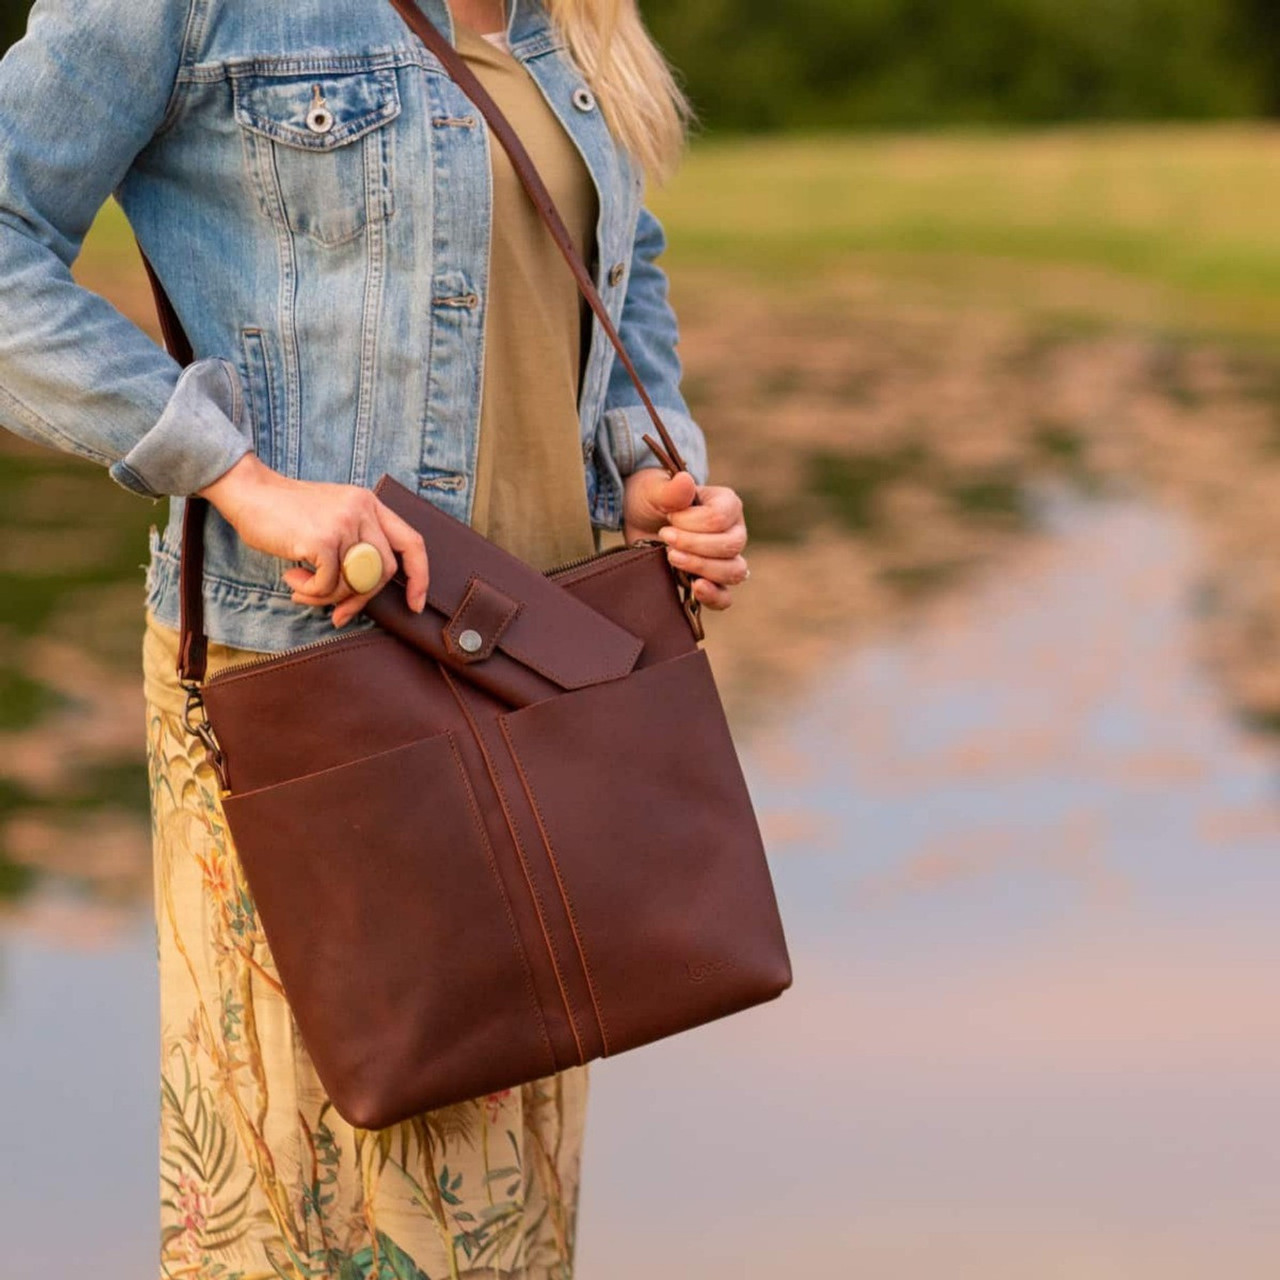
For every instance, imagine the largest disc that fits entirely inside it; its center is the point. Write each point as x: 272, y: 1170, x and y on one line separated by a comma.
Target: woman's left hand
x: 706, y: 540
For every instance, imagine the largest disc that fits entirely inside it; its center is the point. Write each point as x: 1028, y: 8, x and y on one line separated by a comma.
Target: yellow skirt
x: 259, y: 1177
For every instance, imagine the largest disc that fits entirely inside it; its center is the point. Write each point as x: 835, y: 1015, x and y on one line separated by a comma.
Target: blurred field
x: 1172, y: 226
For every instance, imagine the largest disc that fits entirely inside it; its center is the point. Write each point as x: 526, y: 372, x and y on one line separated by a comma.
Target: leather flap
x: 540, y: 625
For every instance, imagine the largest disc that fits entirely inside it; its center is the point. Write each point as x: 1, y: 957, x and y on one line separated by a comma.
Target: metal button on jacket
x: 584, y: 99
x: 616, y: 272
x: 470, y: 641
x: 319, y: 118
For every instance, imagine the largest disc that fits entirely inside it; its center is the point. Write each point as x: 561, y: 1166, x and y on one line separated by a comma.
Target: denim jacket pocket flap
x: 317, y: 111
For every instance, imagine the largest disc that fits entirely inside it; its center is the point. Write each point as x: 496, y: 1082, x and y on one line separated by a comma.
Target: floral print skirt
x: 259, y: 1177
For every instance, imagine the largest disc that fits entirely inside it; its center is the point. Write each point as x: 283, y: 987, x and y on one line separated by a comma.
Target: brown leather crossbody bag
x: 477, y: 864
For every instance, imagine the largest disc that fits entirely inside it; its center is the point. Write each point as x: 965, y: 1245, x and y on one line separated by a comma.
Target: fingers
x: 345, y: 518
x: 320, y: 583
x: 358, y: 516
x: 719, y: 509
x: 676, y: 493
x: 707, y: 542
x: 650, y: 495
x: 710, y: 595
x: 351, y: 603
x: 386, y: 530
x: 413, y: 552
x: 725, y: 572
x: 716, y: 546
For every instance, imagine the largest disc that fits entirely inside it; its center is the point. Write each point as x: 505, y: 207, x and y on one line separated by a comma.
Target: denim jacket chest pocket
x: 317, y: 143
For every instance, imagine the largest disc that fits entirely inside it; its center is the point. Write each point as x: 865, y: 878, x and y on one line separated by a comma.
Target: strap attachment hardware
x: 196, y: 719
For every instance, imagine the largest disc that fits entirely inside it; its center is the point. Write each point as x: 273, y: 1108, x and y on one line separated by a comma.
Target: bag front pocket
x: 647, y: 822
x: 392, y: 935
x: 318, y: 144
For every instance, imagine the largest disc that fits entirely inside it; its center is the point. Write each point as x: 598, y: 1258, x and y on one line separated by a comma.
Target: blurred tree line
x: 776, y: 64
x: 768, y: 64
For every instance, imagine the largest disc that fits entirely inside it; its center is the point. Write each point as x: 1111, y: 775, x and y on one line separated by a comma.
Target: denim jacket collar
x: 527, y: 20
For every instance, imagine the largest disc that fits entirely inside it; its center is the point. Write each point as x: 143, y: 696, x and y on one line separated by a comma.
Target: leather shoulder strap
x: 193, y: 648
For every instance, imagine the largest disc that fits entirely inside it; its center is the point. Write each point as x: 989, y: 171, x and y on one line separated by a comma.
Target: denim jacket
x: 330, y: 267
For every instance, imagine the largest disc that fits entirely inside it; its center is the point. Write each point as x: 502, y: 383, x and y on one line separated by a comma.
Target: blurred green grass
x: 1185, y: 214
x: 1168, y: 226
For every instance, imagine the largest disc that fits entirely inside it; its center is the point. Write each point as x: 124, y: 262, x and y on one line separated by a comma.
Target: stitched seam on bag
x: 506, y: 902
x: 524, y: 866
x: 561, y: 681
x: 333, y: 768
x: 564, y: 895
x: 515, y: 838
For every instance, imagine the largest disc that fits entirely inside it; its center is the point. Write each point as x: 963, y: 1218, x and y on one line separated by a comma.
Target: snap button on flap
x: 479, y: 621
x: 584, y: 99
x: 616, y: 272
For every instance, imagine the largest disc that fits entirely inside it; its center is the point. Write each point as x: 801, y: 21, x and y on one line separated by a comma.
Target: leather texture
x: 464, y: 891
x: 499, y: 838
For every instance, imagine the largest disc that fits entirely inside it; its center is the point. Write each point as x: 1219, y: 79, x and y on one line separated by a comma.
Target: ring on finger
x: 362, y: 567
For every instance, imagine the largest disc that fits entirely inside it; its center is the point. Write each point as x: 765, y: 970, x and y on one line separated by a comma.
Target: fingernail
x: 677, y: 557
x: 419, y: 604
x: 667, y: 533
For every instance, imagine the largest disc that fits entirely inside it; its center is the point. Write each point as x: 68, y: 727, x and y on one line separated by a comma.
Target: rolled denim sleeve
x: 650, y: 333
x: 84, y: 91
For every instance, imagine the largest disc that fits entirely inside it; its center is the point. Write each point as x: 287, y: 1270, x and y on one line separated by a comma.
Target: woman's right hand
x: 318, y: 523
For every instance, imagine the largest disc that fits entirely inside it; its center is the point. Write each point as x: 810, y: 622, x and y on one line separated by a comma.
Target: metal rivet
x: 470, y: 641
x: 584, y: 99
x: 319, y: 118
x: 616, y: 272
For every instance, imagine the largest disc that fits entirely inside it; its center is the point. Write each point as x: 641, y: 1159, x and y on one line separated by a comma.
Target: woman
x: 367, y: 290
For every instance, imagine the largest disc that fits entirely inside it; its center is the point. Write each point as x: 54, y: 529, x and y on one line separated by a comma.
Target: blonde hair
x: 645, y: 107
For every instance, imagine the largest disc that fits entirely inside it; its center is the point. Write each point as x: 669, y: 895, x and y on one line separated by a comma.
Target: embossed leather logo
x: 707, y: 969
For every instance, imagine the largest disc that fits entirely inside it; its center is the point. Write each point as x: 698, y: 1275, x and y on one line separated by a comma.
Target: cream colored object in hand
x: 362, y: 567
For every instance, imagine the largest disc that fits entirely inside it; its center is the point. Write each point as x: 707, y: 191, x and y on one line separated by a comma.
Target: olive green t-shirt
x: 530, y: 494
